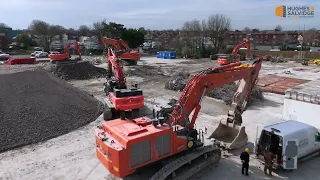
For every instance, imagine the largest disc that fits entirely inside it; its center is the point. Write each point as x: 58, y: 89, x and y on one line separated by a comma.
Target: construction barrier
x: 13, y: 61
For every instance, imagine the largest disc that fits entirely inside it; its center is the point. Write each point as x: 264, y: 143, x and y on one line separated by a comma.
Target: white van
x: 291, y: 141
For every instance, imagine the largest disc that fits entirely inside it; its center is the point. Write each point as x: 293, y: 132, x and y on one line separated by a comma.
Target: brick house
x: 268, y: 38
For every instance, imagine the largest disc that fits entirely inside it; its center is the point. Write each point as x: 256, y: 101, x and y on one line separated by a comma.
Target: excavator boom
x: 122, y: 50
x: 118, y: 69
x: 112, y: 42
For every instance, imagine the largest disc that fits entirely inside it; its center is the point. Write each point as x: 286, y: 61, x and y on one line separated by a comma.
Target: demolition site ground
x: 56, y: 135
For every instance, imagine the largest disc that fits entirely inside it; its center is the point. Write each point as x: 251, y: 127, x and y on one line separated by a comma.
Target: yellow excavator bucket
x: 228, y: 136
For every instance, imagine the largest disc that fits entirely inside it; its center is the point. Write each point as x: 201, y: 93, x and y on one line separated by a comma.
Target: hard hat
x: 246, y: 150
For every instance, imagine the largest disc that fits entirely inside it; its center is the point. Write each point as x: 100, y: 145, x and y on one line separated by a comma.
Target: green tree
x: 113, y: 30
x: 133, y: 37
x: 143, y: 30
x: 24, y: 40
x: 84, y: 30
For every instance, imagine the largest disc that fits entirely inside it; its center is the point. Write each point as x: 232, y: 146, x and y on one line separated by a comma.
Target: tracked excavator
x: 225, y: 59
x: 65, y: 56
x: 120, y: 98
x: 170, y: 137
x: 122, y: 50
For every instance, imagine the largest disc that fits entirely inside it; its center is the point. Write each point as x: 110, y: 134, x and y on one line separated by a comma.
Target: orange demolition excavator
x: 225, y: 59
x: 120, y: 98
x: 171, y: 137
x: 65, y: 56
x: 122, y: 50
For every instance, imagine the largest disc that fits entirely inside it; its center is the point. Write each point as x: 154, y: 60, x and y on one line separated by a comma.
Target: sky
x: 154, y: 14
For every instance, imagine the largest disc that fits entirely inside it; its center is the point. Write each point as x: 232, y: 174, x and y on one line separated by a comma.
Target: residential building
x: 267, y: 38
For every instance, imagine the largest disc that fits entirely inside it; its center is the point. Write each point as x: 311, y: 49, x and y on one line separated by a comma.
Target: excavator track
x: 189, y: 166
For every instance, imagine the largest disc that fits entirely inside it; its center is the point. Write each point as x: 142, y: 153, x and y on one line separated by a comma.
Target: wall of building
x: 302, y: 111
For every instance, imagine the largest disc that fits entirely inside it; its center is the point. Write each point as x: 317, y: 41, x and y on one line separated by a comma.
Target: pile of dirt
x: 178, y: 81
x: 36, y: 106
x: 76, y: 71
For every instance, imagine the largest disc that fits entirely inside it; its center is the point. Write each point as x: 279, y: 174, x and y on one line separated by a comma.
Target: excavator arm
x: 245, y: 43
x: 118, y: 69
x: 203, y: 83
x: 71, y: 45
x: 112, y: 42
x: 124, y: 44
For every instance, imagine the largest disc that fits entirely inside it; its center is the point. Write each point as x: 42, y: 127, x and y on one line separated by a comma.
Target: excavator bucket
x: 228, y: 136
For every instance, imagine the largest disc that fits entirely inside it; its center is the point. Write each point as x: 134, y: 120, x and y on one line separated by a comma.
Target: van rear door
x: 290, y: 158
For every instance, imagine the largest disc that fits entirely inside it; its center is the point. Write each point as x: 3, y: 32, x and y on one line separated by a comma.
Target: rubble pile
x: 36, y: 106
x: 76, y: 71
x: 224, y: 92
x: 94, y: 60
x: 178, y: 81
x: 227, y: 91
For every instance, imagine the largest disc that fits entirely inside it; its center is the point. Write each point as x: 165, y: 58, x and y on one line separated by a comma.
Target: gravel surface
x: 76, y: 71
x: 36, y: 106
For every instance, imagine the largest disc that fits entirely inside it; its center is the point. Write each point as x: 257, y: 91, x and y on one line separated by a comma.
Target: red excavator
x: 171, y: 137
x: 120, y: 99
x: 122, y: 50
x: 225, y: 59
x: 66, y: 55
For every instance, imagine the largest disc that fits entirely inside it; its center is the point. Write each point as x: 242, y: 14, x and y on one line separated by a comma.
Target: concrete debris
x: 36, y: 106
x: 226, y: 92
x: 76, y: 71
x: 178, y: 81
x: 94, y: 60
x: 287, y: 72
